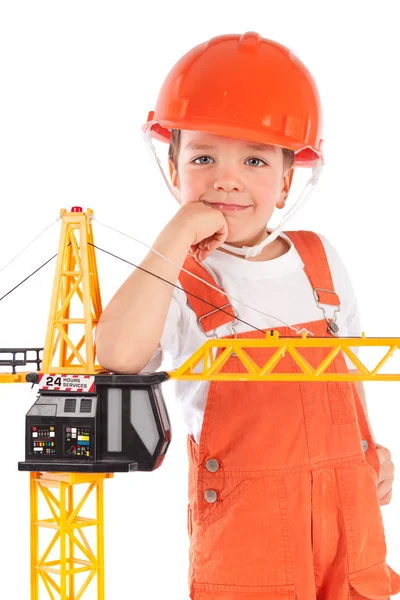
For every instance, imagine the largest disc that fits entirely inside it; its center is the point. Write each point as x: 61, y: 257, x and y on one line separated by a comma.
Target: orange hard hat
x: 242, y: 86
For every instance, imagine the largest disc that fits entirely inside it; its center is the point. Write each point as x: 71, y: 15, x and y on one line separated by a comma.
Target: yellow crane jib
x: 211, y: 357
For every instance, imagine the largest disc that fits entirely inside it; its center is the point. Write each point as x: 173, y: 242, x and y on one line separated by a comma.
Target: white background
x: 77, y: 81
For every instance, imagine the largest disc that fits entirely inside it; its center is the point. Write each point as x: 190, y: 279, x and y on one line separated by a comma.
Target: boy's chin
x: 235, y: 240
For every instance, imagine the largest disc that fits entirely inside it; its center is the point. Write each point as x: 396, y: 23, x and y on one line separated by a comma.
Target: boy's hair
x: 175, y: 142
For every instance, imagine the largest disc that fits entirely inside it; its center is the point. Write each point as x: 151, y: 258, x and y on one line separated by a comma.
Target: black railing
x: 17, y: 360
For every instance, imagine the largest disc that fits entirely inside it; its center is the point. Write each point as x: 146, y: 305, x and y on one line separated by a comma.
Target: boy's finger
x: 198, y: 256
x: 213, y: 245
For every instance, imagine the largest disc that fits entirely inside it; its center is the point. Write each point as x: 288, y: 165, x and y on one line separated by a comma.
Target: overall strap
x: 209, y: 317
x: 316, y: 267
x: 312, y: 252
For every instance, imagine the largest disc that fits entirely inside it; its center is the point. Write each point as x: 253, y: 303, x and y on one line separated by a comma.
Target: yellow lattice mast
x: 69, y: 562
x: 75, y: 302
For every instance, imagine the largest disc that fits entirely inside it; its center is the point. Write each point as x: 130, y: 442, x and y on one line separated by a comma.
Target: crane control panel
x: 103, y: 423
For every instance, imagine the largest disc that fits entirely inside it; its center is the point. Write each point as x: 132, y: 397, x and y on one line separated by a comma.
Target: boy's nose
x: 228, y: 183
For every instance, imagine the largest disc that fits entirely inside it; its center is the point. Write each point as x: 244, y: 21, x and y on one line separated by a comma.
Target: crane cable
x: 203, y: 281
x: 174, y: 285
x: 154, y: 275
x: 142, y: 269
x: 26, y: 278
x: 26, y: 247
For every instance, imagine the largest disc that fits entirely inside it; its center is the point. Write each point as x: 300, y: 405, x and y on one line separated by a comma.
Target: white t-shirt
x: 278, y: 287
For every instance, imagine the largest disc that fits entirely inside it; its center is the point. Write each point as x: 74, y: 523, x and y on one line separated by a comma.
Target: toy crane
x: 87, y: 424
x: 84, y: 425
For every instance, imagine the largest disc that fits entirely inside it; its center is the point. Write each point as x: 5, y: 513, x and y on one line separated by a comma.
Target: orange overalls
x: 283, y: 500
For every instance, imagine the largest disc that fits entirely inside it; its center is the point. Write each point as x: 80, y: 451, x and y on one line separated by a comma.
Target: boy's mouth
x: 229, y: 207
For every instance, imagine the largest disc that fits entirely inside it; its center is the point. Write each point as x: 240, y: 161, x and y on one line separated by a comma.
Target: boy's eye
x: 206, y: 160
x: 203, y: 160
x: 255, y: 162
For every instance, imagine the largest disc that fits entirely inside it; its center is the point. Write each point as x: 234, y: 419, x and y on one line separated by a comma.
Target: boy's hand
x: 207, y: 226
x: 386, y: 475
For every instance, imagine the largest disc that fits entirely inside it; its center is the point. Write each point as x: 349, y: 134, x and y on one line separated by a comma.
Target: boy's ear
x: 173, y: 173
x: 286, y: 184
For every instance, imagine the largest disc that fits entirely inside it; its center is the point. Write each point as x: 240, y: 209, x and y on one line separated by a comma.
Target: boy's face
x: 244, y: 180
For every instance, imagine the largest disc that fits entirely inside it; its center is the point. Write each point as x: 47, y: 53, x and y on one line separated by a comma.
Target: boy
x: 277, y: 471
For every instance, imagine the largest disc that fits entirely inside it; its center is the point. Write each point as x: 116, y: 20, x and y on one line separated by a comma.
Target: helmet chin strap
x: 154, y: 151
x: 252, y: 251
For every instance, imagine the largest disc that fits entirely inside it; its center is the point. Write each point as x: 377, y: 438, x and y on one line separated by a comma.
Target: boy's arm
x: 131, y: 326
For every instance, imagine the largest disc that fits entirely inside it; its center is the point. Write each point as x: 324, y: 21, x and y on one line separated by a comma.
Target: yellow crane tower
x: 87, y: 424
x: 75, y: 285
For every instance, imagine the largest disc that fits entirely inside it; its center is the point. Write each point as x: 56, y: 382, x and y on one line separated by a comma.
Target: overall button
x: 210, y: 495
x: 364, y: 445
x: 212, y: 465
